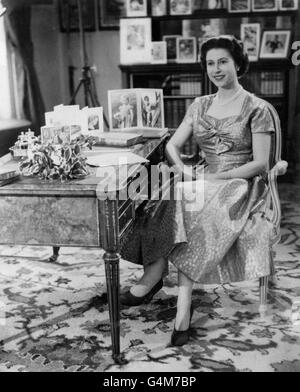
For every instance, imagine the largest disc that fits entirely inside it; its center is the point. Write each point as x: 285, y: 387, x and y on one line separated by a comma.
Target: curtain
x: 30, y: 101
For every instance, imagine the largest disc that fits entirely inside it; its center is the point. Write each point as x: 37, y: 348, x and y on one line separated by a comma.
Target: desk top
x: 83, y: 187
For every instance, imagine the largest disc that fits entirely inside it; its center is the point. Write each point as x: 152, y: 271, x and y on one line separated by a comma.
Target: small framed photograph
x: 186, y: 50
x: 159, y: 52
x: 239, y: 5
x: 158, y: 7
x: 56, y: 135
x: 151, y: 109
x: 264, y: 5
x: 250, y: 35
x: 181, y: 7
x: 135, y: 40
x: 275, y: 44
x: 110, y: 12
x: 171, y: 41
x: 136, y: 8
x: 287, y: 5
x: 122, y: 109
x: 92, y: 121
x: 69, y: 15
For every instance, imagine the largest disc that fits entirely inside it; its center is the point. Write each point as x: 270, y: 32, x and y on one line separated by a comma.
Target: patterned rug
x: 54, y: 318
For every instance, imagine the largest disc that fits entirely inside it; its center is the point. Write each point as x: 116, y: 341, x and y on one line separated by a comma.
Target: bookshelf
x: 267, y: 78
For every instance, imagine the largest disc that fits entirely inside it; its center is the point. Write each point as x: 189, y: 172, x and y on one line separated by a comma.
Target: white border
x: 275, y: 55
x: 162, y: 44
x: 180, y: 60
x: 189, y: 10
x: 161, y: 13
x: 258, y: 38
x: 296, y: 6
x: 135, y: 14
x: 86, y: 113
x: 248, y: 9
x: 275, y: 8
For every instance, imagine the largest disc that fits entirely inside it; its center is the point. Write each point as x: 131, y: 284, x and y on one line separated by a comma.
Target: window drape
x: 30, y: 101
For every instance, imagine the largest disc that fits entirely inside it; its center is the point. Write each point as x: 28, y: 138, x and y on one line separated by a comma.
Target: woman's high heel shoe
x: 129, y: 299
x: 180, y: 338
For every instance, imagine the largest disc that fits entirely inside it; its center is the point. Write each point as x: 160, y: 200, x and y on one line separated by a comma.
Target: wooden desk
x: 43, y: 213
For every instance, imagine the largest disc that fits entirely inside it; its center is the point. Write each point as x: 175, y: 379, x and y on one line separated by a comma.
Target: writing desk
x: 74, y: 213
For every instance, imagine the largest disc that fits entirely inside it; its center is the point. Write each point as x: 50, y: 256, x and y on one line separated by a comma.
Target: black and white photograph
x: 152, y: 109
x: 275, y: 44
x: 135, y: 37
x: 250, y: 36
x: 149, y: 191
x: 92, y: 121
x: 136, y: 8
x: 171, y: 41
x: 181, y: 7
x: 264, y: 5
x: 186, y: 50
x: 288, y: 5
x: 122, y: 108
x: 159, y: 52
x: 158, y: 7
x: 239, y: 5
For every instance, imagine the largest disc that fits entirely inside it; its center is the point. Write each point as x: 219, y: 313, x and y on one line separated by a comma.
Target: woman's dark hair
x: 234, y: 47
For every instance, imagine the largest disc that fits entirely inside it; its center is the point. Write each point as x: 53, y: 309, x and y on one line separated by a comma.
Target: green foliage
x: 65, y: 162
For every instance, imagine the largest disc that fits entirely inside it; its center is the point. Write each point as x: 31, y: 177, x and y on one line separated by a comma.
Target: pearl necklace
x: 229, y: 100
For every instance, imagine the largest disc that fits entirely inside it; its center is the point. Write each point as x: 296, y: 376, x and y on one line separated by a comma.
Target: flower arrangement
x: 52, y: 162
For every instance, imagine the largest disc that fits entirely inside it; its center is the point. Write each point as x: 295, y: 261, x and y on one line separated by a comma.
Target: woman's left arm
x: 261, y: 144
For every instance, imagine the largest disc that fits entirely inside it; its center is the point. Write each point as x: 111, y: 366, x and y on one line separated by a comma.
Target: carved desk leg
x: 108, y: 213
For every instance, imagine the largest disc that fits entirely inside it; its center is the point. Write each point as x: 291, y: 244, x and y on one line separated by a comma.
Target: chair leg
x: 263, y: 291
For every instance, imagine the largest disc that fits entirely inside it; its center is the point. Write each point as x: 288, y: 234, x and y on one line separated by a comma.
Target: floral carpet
x: 54, y: 316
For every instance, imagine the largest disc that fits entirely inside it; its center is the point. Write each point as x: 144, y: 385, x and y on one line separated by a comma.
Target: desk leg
x: 108, y: 214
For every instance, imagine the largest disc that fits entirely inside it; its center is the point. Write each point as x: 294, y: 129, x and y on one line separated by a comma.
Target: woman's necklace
x: 229, y: 100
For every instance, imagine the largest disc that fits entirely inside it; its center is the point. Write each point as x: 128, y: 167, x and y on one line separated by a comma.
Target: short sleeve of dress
x: 191, y: 112
x: 262, y: 121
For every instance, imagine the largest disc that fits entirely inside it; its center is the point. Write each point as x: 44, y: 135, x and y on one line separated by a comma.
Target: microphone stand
x: 87, y: 80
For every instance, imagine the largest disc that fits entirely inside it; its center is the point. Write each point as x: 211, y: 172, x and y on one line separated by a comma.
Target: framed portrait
x: 135, y: 40
x: 123, y: 109
x: 69, y: 15
x: 56, y: 135
x: 208, y: 5
x: 151, y: 109
x: 275, y: 44
x: 92, y: 121
x: 136, y: 8
x: 250, y: 36
x: 171, y: 41
x: 159, y: 52
x: 110, y: 12
x: 287, y: 5
x: 181, y: 7
x: 264, y: 5
x: 158, y: 7
x: 186, y: 50
x: 239, y: 5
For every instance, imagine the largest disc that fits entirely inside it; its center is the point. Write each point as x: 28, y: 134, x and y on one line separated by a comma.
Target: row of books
x: 184, y: 85
x: 269, y: 83
x: 175, y: 109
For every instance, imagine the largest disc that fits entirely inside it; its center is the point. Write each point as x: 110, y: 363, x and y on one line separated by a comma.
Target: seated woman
x: 225, y: 238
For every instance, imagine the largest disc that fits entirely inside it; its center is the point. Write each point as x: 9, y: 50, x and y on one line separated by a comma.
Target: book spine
x: 7, y: 175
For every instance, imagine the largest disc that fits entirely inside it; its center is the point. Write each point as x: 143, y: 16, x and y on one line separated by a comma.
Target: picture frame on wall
x: 181, y: 7
x: 186, y: 48
x: 110, y: 12
x: 69, y: 15
x: 275, y: 44
x: 288, y: 5
x: 264, y: 5
x: 250, y: 36
x: 158, y: 7
x: 135, y: 40
x: 136, y: 8
x: 92, y: 121
x: 171, y: 41
x: 159, y: 52
x: 239, y: 6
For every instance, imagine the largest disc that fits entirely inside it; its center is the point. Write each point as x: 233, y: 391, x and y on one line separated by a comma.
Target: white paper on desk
x: 115, y: 159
